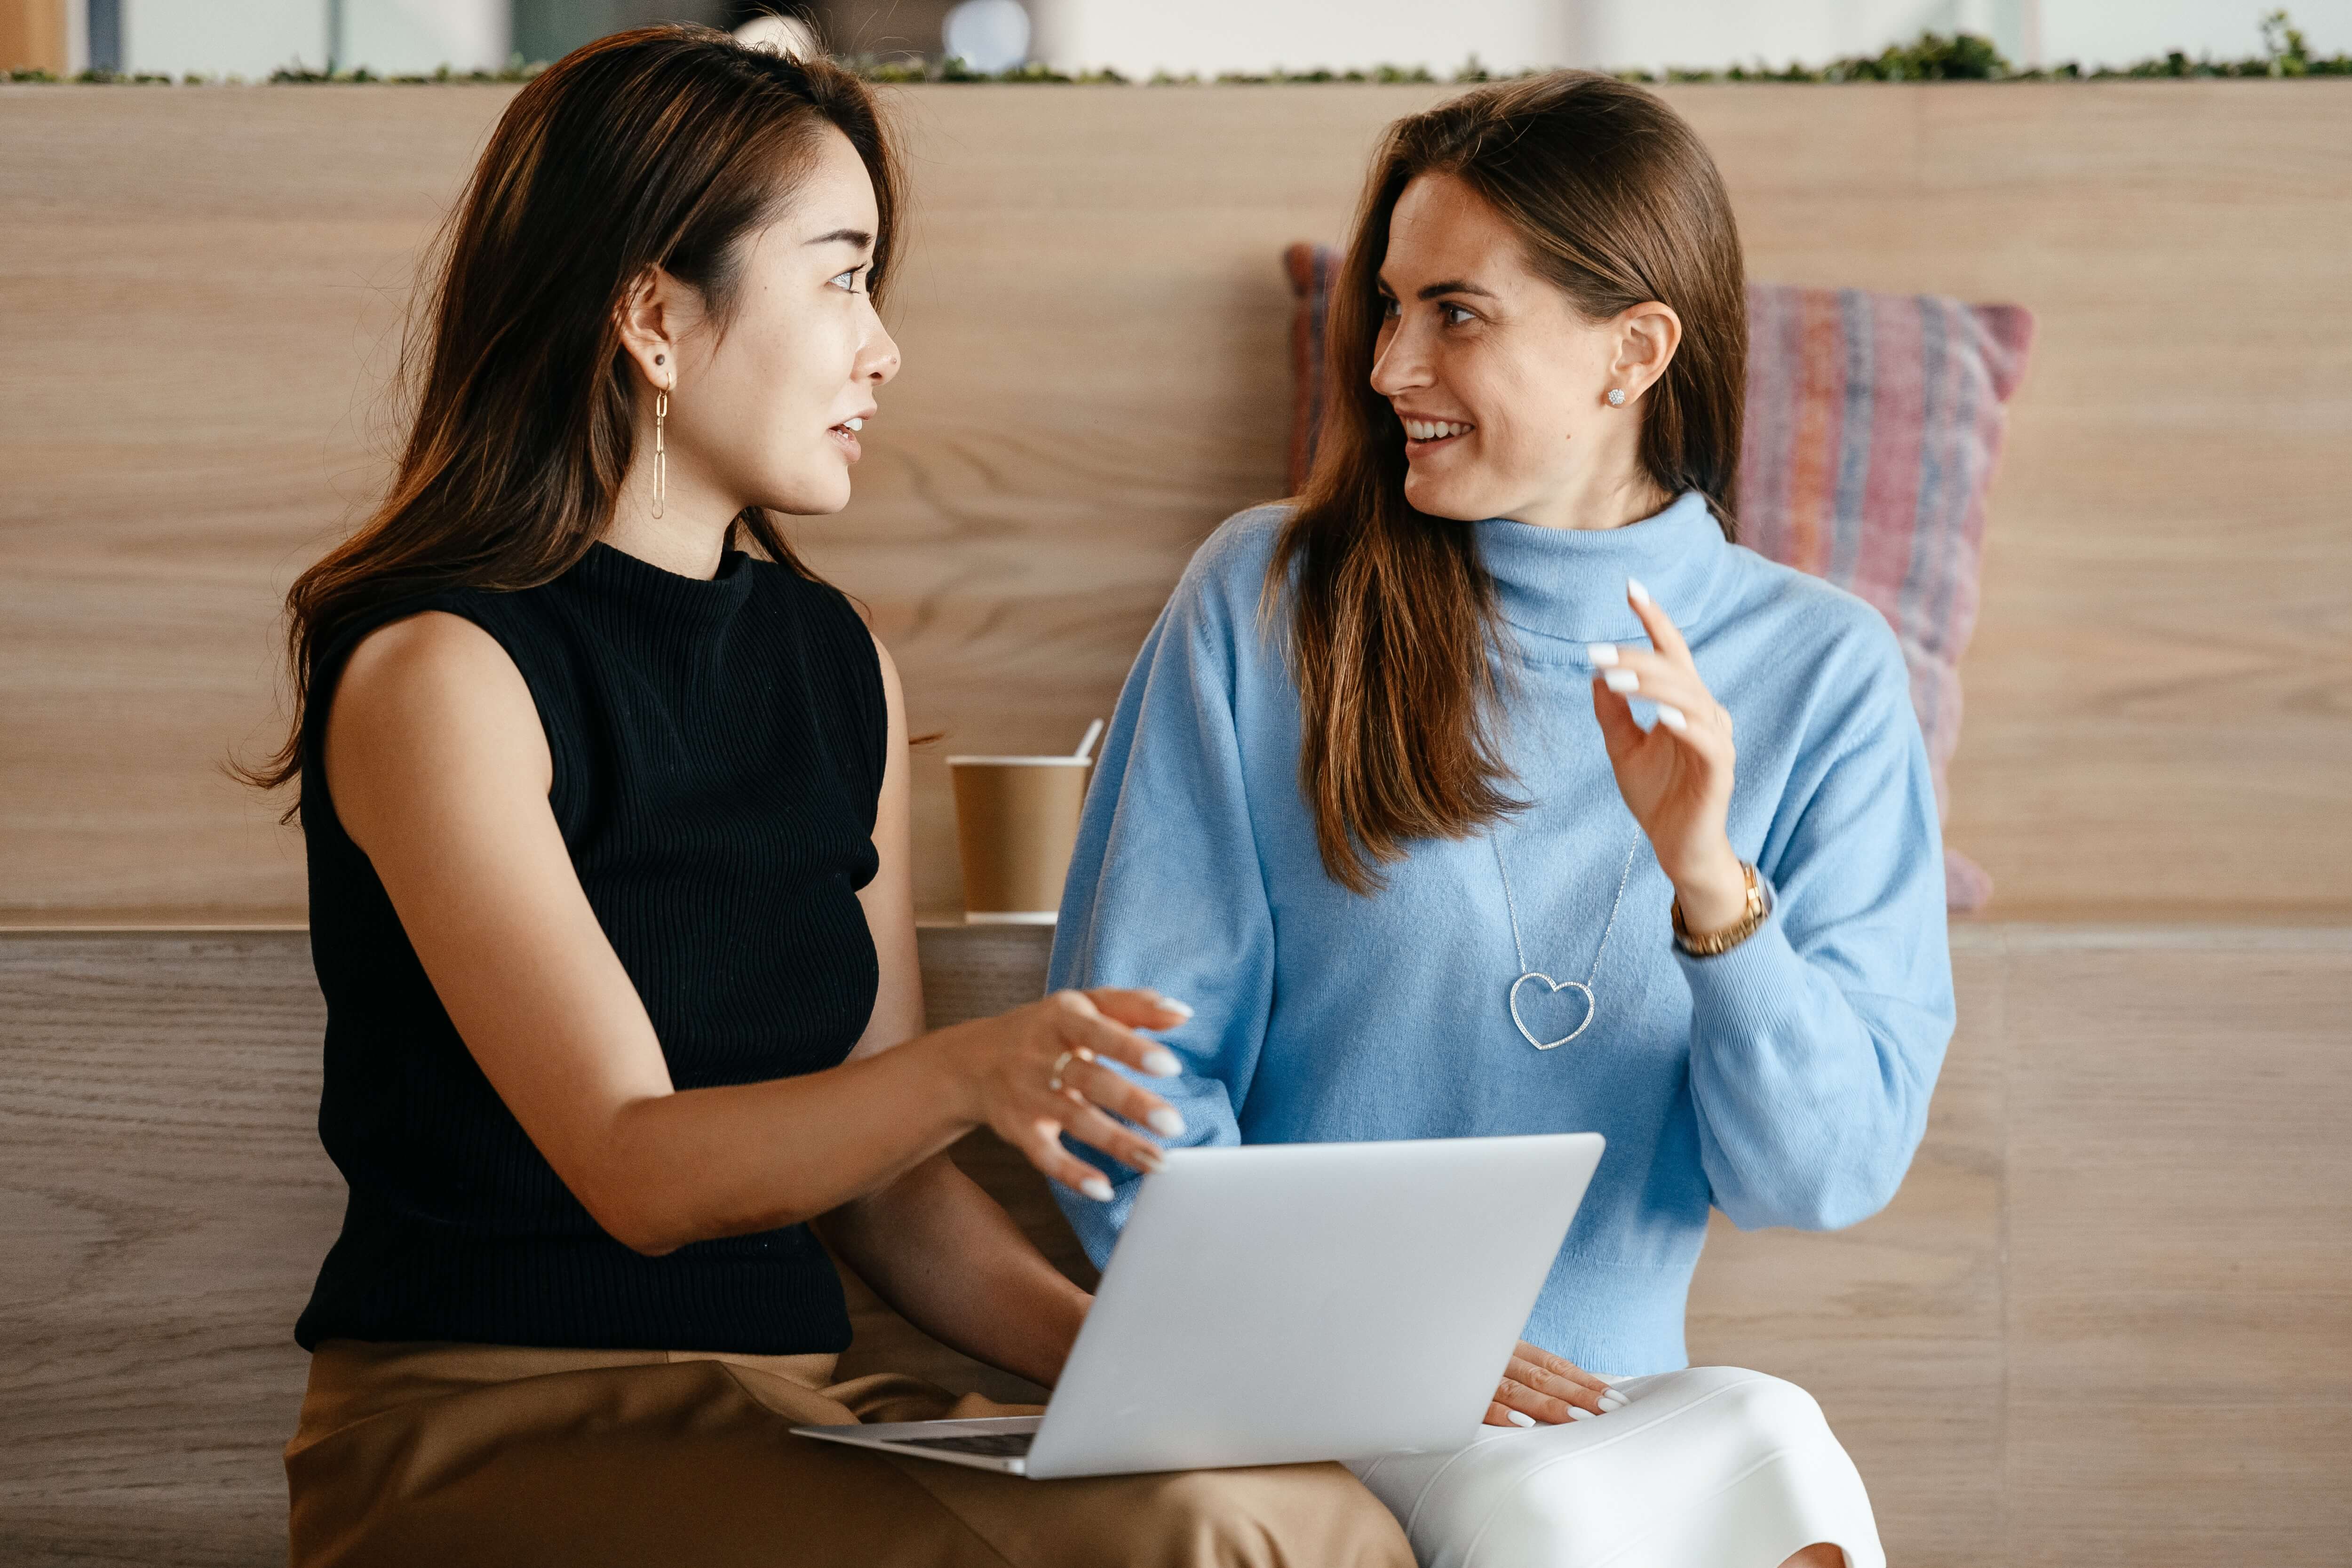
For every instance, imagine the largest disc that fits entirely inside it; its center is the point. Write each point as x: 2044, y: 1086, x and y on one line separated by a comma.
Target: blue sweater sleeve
x: 1815, y: 1043
x: 1165, y: 889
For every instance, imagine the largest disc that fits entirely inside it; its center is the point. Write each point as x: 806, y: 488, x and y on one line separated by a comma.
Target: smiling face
x: 766, y: 411
x: 1501, y: 386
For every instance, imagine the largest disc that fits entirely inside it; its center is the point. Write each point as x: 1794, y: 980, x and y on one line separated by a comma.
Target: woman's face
x: 1500, y: 384
x: 767, y: 411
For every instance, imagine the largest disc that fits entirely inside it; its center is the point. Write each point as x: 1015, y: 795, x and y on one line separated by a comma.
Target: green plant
x: 901, y: 69
x: 514, y: 70
x: 1967, y: 57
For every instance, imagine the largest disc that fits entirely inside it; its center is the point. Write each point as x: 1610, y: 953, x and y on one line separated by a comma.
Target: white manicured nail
x: 1635, y: 592
x: 1096, y: 1188
x: 1611, y: 1400
x: 1578, y: 1413
x: 1671, y: 718
x: 1621, y: 680
x: 1601, y: 654
x: 1166, y: 1123
x: 1520, y: 1417
x: 1161, y: 1064
x: 1182, y: 1009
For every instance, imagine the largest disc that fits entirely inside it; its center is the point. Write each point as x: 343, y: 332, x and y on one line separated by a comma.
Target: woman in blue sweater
x: 1425, y: 793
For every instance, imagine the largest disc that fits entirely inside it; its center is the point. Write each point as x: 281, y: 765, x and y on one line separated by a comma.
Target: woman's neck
x: 1591, y: 502
x: 689, y: 538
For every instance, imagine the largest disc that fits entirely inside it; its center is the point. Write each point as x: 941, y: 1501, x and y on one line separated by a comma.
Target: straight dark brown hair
x: 1392, y: 616
x: 662, y: 147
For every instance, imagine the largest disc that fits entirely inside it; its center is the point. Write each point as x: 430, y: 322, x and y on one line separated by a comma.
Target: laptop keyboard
x: 995, y: 1445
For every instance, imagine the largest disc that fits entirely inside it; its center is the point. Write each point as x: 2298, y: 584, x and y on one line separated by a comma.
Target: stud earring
x: 1616, y: 397
x: 661, y: 457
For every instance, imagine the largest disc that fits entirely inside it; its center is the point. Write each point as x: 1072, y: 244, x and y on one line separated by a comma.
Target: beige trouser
x: 434, y: 1455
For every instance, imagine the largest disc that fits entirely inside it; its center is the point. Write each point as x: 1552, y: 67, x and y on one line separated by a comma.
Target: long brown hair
x: 1393, y: 615
x: 661, y: 147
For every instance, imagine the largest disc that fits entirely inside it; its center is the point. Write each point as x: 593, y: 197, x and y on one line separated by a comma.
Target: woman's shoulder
x: 1808, y: 614
x: 418, y: 641
x: 1225, y: 579
x: 1235, y: 557
x: 1849, y: 652
x: 1218, y: 602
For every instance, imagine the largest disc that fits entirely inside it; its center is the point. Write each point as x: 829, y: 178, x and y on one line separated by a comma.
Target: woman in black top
x: 610, y: 900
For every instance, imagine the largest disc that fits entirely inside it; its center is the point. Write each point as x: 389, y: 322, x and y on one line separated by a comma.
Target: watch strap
x: 1710, y: 943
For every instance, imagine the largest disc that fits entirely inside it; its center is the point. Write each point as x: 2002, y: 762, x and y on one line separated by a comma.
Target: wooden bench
x: 2064, y: 1342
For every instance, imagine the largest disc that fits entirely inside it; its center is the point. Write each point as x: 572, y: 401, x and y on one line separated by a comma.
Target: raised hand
x: 1676, y: 775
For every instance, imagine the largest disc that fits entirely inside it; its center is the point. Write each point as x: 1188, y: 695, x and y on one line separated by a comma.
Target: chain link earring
x: 661, y: 457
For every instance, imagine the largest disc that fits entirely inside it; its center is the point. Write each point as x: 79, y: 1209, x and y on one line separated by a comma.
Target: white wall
x: 245, y: 37
x: 253, y: 38
x: 1140, y: 36
x: 1711, y: 33
x: 402, y: 35
x: 2109, y: 32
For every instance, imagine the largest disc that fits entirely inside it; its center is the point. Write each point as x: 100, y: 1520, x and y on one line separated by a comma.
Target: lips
x: 846, y: 432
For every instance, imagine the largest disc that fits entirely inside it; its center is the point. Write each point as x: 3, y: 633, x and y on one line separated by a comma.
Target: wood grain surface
x: 2108, y: 1319
x: 164, y: 1205
x: 201, y: 291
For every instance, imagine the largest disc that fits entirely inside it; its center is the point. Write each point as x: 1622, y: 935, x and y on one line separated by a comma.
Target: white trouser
x: 1710, y: 1468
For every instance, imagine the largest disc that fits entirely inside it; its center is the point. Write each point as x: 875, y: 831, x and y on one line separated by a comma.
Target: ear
x: 1647, y: 336
x: 653, y: 316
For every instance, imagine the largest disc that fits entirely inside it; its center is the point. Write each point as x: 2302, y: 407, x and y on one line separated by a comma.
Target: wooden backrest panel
x: 201, y: 287
x: 2106, y: 1320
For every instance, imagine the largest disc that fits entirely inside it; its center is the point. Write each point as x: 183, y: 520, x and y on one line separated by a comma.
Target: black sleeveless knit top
x: 718, y: 749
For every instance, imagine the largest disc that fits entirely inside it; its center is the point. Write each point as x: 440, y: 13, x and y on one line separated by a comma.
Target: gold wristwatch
x: 1759, y: 906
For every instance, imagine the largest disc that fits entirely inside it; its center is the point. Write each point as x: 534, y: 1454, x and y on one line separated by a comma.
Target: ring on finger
x: 1062, y: 1063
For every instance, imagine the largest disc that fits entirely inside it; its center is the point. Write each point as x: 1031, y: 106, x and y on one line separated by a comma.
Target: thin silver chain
x: 1512, y: 904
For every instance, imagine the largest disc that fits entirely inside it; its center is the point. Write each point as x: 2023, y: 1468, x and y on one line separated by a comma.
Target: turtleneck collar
x: 616, y: 573
x: 1562, y: 588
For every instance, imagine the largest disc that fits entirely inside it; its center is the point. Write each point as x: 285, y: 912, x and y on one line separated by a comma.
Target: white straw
x: 1086, y: 747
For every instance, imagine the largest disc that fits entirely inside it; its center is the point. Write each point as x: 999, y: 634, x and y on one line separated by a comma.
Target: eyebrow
x: 857, y: 237
x: 1436, y: 291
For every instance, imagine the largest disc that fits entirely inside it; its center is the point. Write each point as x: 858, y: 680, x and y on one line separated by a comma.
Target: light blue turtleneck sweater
x: 1785, y: 1082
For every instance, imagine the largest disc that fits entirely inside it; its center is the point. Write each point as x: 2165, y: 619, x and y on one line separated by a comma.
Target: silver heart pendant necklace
x: 1554, y: 987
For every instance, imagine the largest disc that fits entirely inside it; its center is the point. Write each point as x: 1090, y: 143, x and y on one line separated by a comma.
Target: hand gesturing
x: 1676, y: 776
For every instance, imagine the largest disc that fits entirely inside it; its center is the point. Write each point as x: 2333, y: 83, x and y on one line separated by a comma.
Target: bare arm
x: 439, y: 769
x: 932, y: 1243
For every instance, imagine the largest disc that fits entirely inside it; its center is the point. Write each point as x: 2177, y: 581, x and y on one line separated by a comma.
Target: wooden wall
x: 2106, y: 1323
x: 199, y: 291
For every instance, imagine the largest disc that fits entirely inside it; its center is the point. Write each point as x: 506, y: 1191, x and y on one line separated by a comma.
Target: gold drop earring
x: 661, y: 457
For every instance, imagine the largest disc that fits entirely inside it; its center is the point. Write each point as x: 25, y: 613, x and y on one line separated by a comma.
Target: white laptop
x: 1285, y: 1303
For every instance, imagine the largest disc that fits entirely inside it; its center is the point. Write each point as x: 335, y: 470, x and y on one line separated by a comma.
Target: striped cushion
x: 1873, y: 422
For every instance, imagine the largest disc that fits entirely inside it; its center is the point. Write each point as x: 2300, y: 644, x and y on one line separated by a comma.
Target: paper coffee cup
x: 1016, y: 823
